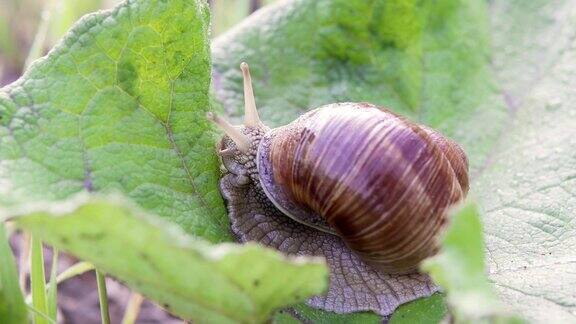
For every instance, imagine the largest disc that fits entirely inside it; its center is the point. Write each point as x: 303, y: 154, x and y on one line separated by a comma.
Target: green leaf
x: 224, y: 283
x: 120, y: 105
x: 527, y: 194
x: 460, y: 269
x: 227, y: 13
x: 308, y: 314
x: 507, y: 101
x: 12, y: 307
x: 424, y: 310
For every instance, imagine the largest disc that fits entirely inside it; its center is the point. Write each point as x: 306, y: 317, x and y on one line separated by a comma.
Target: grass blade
x: 38, y: 281
x: 24, y: 261
x: 71, y: 272
x: 133, y: 308
x: 103, y: 297
x: 12, y: 307
x: 40, y: 314
x: 37, y: 48
x: 52, y: 302
x: 75, y: 270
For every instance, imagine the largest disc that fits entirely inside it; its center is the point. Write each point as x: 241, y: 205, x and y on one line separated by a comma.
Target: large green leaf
x: 528, y: 191
x: 507, y: 103
x: 225, y: 283
x: 119, y: 104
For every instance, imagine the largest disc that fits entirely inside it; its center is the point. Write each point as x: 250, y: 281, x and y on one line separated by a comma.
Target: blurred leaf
x: 426, y: 60
x: 210, y: 284
x: 460, y: 269
x: 7, y: 46
x: 12, y: 307
x: 227, y: 13
x: 38, y: 43
x: 69, y: 11
x: 119, y: 104
x: 527, y: 193
x: 37, y: 47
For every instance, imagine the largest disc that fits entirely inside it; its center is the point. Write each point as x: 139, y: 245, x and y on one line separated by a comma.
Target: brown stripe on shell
x: 382, y: 183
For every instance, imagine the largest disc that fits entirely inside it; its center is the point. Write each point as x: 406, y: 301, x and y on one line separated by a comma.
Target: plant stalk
x: 133, y: 308
x: 103, y: 297
x: 38, y: 280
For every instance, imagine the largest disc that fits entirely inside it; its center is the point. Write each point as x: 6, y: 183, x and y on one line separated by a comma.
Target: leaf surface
x: 497, y: 78
x: 527, y: 194
x: 427, y: 61
x: 119, y: 105
x: 226, y: 283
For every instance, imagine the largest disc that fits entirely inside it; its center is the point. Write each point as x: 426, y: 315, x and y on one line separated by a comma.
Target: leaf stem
x: 103, y: 297
x: 75, y: 270
x: 53, y: 287
x: 24, y: 260
x: 40, y: 314
x: 38, y: 280
x: 133, y: 308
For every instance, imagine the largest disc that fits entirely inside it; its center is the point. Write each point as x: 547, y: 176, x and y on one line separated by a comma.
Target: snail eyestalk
x: 251, y: 118
x: 226, y: 152
x: 242, y: 141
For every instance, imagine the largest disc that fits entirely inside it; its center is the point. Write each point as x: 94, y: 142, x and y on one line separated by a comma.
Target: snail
x: 381, y: 183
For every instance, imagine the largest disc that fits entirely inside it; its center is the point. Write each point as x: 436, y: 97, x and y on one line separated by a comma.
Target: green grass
x: 38, y: 282
x: 52, y: 292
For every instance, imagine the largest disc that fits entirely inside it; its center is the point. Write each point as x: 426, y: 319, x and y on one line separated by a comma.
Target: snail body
x: 378, y: 181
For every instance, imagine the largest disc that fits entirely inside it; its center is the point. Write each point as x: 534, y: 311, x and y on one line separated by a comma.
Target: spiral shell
x: 380, y: 182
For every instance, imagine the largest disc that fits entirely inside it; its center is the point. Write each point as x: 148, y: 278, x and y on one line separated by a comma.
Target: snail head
x: 238, y: 147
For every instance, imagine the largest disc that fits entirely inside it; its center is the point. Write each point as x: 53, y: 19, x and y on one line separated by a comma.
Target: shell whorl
x: 380, y: 182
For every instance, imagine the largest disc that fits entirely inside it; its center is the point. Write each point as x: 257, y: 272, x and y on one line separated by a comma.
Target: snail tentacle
x: 226, y: 152
x: 251, y: 118
x: 242, y: 141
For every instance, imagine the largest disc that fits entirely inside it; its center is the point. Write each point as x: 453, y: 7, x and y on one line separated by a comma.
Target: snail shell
x: 380, y: 182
